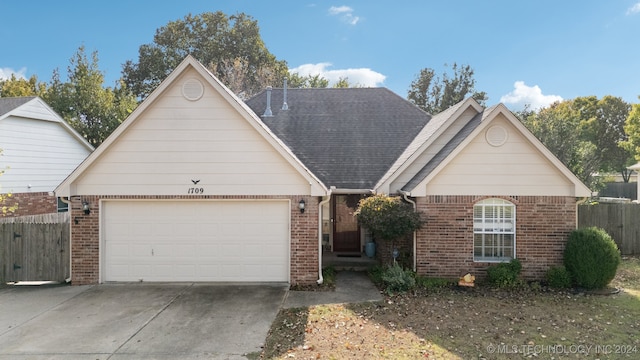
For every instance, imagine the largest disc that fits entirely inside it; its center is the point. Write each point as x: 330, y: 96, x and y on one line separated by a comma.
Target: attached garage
x: 195, y: 240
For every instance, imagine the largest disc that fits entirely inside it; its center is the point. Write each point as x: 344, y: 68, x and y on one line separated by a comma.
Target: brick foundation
x: 445, y: 243
x: 85, y: 236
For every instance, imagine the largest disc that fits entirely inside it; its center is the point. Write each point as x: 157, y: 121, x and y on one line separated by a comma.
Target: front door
x: 346, y: 232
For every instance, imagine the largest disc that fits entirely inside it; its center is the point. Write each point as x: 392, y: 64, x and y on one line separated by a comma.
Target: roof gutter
x: 334, y: 190
x: 328, y: 198
x: 405, y: 195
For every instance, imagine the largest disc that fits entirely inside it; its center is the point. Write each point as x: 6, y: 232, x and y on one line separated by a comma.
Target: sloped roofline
x: 431, y: 131
x: 317, y: 188
x: 581, y: 190
x: 59, y: 119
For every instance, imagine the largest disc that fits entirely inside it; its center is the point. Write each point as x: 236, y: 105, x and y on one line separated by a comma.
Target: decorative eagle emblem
x: 195, y: 182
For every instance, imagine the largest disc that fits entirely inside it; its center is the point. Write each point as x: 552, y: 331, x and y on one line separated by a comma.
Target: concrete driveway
x: 137, y: 321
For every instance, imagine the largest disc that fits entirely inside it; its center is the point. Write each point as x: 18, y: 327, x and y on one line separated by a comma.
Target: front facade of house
x: 197, y: 185
x: 39, y: 150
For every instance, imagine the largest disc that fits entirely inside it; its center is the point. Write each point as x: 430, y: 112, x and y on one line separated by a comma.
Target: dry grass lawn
x: 460, y: 323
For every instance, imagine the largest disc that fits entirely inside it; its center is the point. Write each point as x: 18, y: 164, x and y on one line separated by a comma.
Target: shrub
x: 396, y: 279
x: 558, y: 277
x: 375, y: 274
x: 591, y: 257
x: 504, y: 275
x: 429, y: 283
x: 388, y: 218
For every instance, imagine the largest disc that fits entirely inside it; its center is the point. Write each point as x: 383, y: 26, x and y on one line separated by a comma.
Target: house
x: 197, y: 185
x: 39, y: 150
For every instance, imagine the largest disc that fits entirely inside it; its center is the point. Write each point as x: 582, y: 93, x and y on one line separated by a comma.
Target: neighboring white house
x: 39, y: 150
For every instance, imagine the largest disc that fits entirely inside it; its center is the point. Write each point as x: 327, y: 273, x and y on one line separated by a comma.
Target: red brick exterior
x: 85, y: 236
x: 445, y: 243
x: 35, y: 203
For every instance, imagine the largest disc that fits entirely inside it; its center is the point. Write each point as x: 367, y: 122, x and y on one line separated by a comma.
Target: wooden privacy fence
x: 621, y: 221
x: 34, y: 248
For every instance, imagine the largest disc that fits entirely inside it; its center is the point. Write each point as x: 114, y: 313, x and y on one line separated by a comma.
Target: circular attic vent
x: 497, y: 135
x: 192, y: 89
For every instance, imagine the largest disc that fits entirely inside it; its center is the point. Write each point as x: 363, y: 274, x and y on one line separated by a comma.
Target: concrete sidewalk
x: 351, y: 287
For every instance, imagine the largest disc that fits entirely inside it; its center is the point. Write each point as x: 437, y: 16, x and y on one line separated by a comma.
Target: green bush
x: 591, y: 257
x: 396, y: 279
x: 558, y: 277
x: 429, y: 283
x: 504, y: 275
x: 388, y: 218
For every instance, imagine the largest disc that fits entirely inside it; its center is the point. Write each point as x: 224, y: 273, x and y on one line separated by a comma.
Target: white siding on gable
x: 515, y: 168
x: 438, y: 143
x: 34, y: 109
x: 36, y: 152
x: 175, y: 141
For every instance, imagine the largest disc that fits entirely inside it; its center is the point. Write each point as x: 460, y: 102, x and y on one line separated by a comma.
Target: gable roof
x: 468, y: 132
x: 11, y: 103
x: 434, y: 128
x: 316, y: 186
x: 347, y: 137
x: 19, y: 107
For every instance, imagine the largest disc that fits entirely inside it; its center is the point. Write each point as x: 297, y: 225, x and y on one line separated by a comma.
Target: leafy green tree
x: 602, y: 124
x: 19, y: 87
x: 558, y: 127
x: 296, y: 80
x: 229, y: 46
x: 342, y: 83
x: 5, y: 209
x: 434, y: 93
x: 632, y: 129
x: 94, y: 111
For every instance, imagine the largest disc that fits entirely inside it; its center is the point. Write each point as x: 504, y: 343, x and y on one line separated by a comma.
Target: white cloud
x: 528, y: 95
x: 345, y: 13
x: 357, y: 77
x: 5, y: 73
x: 634, y: 9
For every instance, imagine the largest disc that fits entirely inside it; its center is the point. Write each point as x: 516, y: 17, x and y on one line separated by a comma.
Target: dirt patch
x: 461, y: 323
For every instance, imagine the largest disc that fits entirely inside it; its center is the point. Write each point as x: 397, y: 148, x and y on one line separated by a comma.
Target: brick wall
x: 304, y: 241
x: 85, y: 237
x: 445, y: 243
x: 30, y: 204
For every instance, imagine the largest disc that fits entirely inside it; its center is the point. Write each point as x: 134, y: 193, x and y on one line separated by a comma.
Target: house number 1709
x: 195, y: 191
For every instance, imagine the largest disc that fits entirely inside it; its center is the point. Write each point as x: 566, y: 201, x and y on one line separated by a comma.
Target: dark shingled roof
x: 10, y: 103
x: 347, y: 137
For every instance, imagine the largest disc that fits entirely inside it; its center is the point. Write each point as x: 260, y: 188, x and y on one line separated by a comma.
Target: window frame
x: 495, y: 229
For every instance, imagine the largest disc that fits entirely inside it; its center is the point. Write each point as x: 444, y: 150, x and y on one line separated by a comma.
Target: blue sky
x: 522, y: 52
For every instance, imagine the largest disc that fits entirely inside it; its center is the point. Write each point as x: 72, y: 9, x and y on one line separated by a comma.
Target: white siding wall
x: 515, y: 168
x: 176, y: 140
x: 40, y: 153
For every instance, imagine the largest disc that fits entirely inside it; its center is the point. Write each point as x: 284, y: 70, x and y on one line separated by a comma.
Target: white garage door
x: 238, y: 241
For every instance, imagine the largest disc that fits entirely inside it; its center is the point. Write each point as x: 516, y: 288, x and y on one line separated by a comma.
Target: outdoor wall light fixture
x: 301, y: 205
x: 85, y: 207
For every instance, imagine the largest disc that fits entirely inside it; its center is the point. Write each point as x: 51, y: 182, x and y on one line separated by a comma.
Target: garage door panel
x: 196, y: 241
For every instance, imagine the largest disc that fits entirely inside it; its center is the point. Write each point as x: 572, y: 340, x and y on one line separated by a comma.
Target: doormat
x: 349, y: 255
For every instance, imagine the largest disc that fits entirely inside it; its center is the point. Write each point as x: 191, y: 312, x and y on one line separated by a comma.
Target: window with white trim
x: 494, y: 230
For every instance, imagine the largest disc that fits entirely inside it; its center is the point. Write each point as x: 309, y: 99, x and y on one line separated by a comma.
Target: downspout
x: 320, y: 278
x: 405, y: 195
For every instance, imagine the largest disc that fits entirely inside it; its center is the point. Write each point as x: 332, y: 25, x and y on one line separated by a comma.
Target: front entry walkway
x: 347, y: 261
x: 351, y: 287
